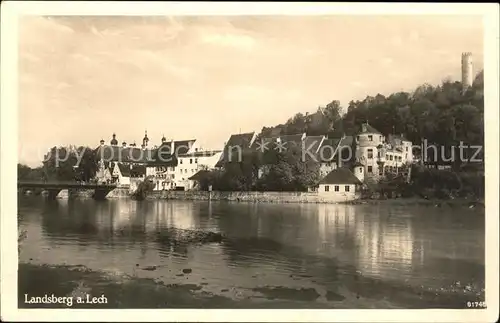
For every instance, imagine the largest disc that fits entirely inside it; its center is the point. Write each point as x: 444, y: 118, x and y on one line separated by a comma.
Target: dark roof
x: 124, y: 169
x: 366, y: 128
x: 295, y: 140
x: 134, y: 155
x: 203, y: 153
x: 396, y: 139
x: 347, y: 141
x: 243, y: 141
x: 328, y: 148
x: 337, y: 145
x: 120, y: 154
x: 199, y: 175
x: 314, y: 141
x: 178, y: 147
x: 138, y: 170
x: 340, y: 176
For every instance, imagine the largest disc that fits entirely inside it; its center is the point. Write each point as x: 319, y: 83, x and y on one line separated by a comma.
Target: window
x: 337, y: 188
x: 190, y: 160
x: 406, y: 148
x: 390, y: 157
x: 196, y: 149
x: 180, y: 161
x: 406, y: 156
x: 357, y: 138
x: 386, y: 156
x: 400, y: 158
x: 173, y: 176
x: 196, y: 161
x: 370, y: 137
x: 327, y: 188
x: 370, y: 169
x: 370, y: 153
x: 347, y: 188
x: 361, y: 170
x: 380, y: 138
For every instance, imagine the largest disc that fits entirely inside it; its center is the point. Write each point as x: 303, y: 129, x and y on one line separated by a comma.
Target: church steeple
x: 145, y: 140
x: 114, y: 142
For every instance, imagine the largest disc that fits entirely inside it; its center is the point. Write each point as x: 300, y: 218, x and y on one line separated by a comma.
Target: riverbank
x: 251, y: 196
x: 122, y: 291
x: 309, y: 197
x: 458, y: 202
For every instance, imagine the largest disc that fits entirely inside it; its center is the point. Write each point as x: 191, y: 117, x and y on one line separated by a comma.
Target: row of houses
x: 345, y: 163
x: 170, y: 164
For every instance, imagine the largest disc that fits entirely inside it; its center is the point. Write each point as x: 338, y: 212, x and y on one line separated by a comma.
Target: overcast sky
x: 83, y: 78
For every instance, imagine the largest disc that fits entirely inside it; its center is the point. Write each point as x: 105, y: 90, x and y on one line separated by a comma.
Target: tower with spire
x: 145, y: 140
x: 113, y: 141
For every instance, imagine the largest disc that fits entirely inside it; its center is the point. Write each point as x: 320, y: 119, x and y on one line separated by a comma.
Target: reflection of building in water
x: 385, y: 248
x: 335, y: 219
x: 180, y: 215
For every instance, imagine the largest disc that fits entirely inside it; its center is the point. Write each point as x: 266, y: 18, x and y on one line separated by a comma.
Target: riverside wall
x: 253, y: 197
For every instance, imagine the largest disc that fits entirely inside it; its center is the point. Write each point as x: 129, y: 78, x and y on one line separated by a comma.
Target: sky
x: 81, y: 78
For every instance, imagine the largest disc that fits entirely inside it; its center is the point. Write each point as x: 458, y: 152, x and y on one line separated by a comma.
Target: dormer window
x: 370, y: 137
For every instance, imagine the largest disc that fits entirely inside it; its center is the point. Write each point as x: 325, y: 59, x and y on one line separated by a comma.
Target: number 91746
x: 476, y: 304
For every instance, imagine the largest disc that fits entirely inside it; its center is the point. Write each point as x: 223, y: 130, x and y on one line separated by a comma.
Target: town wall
x: 253, y: 197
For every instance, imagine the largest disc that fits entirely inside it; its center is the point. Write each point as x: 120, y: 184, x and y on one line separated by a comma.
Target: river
x: 274, y: 255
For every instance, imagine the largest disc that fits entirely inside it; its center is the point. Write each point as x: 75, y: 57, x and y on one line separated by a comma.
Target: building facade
x: 381, y: 155
x: 340, y: 185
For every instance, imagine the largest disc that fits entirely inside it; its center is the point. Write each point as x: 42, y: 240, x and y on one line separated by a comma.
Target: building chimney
x: 363, y: 127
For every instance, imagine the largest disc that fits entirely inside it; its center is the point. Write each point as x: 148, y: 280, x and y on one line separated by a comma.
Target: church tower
x: 145, y: 140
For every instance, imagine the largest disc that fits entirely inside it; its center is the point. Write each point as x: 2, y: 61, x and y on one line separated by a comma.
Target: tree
x: 61, y: 163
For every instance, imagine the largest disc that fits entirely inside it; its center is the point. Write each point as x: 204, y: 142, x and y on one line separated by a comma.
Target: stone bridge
x: 54, y: 187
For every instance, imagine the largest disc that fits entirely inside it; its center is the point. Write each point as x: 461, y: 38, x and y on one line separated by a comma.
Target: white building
x: 183, y: 159
x: 380, y: 155
x: 340, y: 185
x: 121, y: 173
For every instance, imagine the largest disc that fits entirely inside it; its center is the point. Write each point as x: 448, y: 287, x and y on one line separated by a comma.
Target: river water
x: 309, y: 255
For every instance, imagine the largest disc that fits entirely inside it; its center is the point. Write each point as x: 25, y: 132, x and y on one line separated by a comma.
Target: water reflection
x: 266, y: 243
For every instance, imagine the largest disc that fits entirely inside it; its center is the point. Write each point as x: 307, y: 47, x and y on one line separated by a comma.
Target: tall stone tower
x: 467, y: 76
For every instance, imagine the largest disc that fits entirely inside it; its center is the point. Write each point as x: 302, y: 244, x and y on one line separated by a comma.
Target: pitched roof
x: 347, y: 141
x: 340, y: 176
x: 295, y: 140
x: 133, y: 155
x: 138, y: 170
x: 124, y: 170
x: 199, y: 175
x: 394, y: 139
x: 235, y: 143
x: 127, y: 154
x: 203, y: 153
x: 314, y: 142
x: 329, y: 148
x: 366, y: 128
